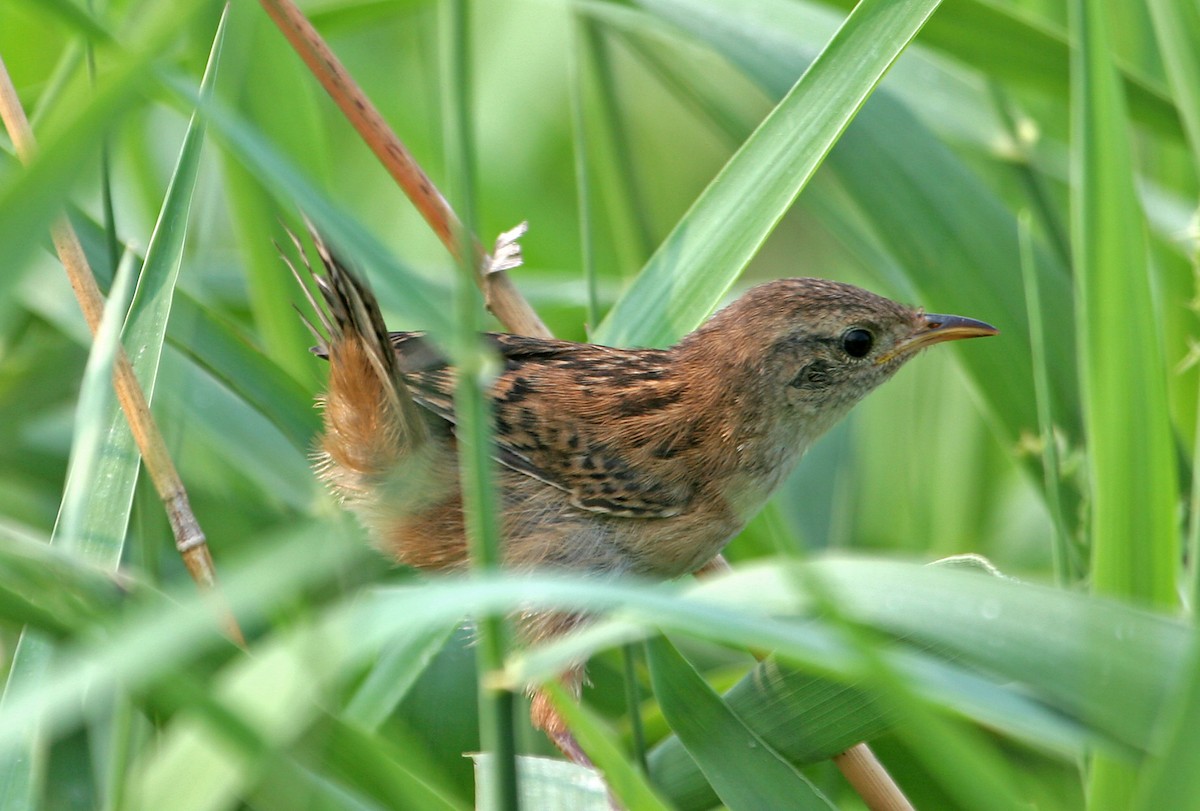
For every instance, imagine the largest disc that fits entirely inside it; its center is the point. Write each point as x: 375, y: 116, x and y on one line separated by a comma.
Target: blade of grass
x: 1177, y: 28
x: 21, y: 775
x: 1135, y: 549
x: 547, y: 783
x: 623, y: 779
x: 744, y: 771
x: 97, y: 503
x: 223, y: 350
x: 74, y: 16
x: 225, y: 736
x: 696, y: 265
x: 986, y: 35
x: 189, y: 538
x: 473, y: 429
x: 1034, y: 635
x: 30, y: 570
x: 1170, y: 779
x: 146, y: 327
x: 411, y: 295
x: 165, y: 633
x: 225, y: 353
x: 631, y: 215
x: 395, y: 672
x: 1134, y: 487
x: 394, y: 770
x: 1066, y: 570
x: 582, y: 33
x: 31, y: 199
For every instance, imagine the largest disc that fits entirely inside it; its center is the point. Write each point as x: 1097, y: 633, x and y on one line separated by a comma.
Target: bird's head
x: 807, y: 350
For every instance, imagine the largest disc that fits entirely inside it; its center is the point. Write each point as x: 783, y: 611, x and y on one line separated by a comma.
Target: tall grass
x: 1008, y: 136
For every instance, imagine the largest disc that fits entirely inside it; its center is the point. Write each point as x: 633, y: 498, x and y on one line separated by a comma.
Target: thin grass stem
x: 496, y: 705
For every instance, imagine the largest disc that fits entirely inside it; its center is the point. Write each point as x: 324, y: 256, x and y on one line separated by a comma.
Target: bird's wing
x: 584, y: 419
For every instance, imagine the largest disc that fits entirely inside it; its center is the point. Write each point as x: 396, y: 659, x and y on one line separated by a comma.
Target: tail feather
x: 372, y: 425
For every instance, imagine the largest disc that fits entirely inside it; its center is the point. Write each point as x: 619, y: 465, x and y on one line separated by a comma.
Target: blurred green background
x: 981, y: 171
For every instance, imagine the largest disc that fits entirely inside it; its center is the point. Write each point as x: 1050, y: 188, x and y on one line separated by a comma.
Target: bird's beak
x: 933, y: 329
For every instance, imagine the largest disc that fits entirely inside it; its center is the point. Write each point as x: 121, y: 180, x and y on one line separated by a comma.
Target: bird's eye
x: 857, y: 342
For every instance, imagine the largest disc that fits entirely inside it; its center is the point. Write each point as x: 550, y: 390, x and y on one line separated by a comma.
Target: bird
x: 610, y: 461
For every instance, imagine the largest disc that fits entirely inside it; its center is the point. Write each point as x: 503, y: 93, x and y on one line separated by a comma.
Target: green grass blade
x: 805, y: 718
x: 31, y: 200
x: 97, y: 501
x: 22, y: 771
x: 1036, y: 636
x: 50, y: 589
x: 82, y: 526
x: 1131, y: 460
x: 744, y: 771
x: 33, y: 197
x: 988, y: 36
x: 472, y: 408
x: 163, y: 634
x: 1171, y: 779
x: 74, y: 16
x: 212, y: 754
x: 1177, y: 27
x: 223, y: 350
x: 696, y: 265
x: 1066, y: 568
x: 151, y: 309
x: 394, y: 770
x: 397, y: 285
x: 627, y: 784
x: 395, y: 671
x: 1134, y: 487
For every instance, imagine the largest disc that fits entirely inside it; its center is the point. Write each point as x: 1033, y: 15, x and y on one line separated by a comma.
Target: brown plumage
x: 612, y: 461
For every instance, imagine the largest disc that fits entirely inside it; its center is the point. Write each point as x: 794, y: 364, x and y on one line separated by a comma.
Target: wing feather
x: 550, y: 424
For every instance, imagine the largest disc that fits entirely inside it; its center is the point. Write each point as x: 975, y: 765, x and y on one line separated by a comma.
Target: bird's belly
x: 665, y: 548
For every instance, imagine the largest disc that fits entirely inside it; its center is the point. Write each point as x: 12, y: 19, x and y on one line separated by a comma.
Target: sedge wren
x: 611, y: 461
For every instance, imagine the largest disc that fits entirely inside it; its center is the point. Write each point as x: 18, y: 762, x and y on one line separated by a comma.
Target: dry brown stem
x: 500, y: 294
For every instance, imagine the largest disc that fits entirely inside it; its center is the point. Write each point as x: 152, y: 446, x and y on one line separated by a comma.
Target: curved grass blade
x: 744, y: 771
x: 624, y: 780
x: 394, y: 673
x: 545, y: 783
x: 702, y: 257
x: 1132, y: 473
x: 1037, y: 637
x: 33, y: 196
